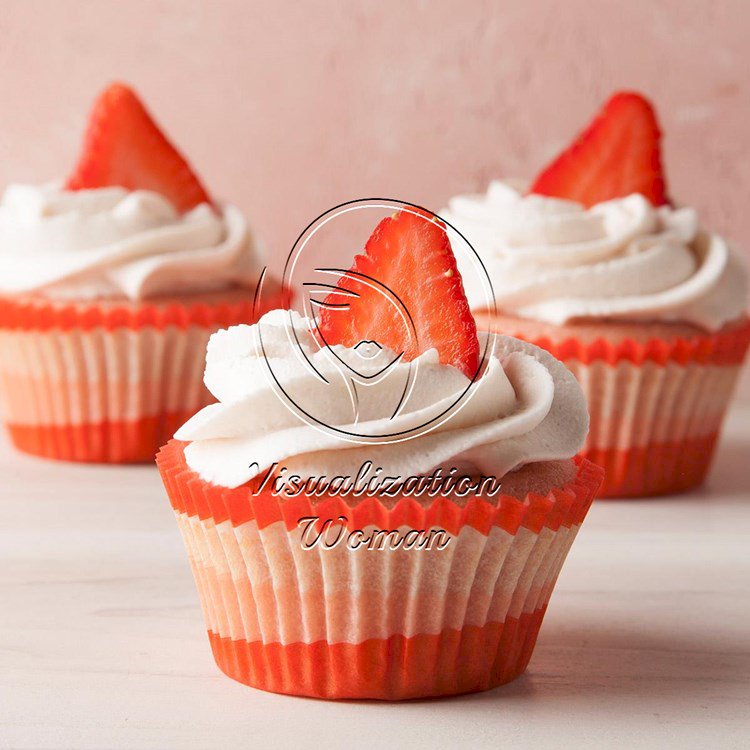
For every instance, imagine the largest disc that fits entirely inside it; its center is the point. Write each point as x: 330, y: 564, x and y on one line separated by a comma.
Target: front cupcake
x: 379, y: 505
x: 110, y: 286
x: 640, y: 301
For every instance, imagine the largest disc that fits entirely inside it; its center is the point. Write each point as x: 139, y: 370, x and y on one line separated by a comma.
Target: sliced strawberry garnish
x: 407, y: 273
x: 616, y: 155
x: 123, y: 146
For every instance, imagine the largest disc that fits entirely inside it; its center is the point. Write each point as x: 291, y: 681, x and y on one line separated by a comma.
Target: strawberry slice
x: 123, y: 146
x: 616, y: 155
x: 407, y: 272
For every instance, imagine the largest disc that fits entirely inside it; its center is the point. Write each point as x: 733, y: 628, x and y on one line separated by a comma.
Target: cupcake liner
x: 373, y: 623
x: 84, y: 383
x: 39, y: 314
x: 725, y: 347
x: 654, y: 427
x: 656, y: 407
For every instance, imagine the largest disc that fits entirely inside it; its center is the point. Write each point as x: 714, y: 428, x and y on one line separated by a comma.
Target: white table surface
x: 646, y: 642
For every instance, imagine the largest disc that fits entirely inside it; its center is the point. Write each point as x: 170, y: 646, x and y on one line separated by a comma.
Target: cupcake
x: 344, y: 548
x: 110, y: 286
x: 645, y: 305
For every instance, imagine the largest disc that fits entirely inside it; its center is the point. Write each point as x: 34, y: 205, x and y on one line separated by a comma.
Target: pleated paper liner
x: 397, y: 668
x: 373, y: 623
x: 106, y: 383
x: 656, y: 406
x: 212, y: 310
x: 727, y: 346
x: 106, y: 442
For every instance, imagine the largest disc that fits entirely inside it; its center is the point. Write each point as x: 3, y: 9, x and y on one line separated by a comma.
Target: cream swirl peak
x: 111, y: 242
x: 524, y: 407
x: 555, y: 261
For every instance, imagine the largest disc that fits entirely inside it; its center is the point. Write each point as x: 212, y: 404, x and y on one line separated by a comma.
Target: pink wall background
x: 289, y: 108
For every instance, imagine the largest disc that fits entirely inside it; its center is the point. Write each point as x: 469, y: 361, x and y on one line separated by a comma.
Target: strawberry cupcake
x: 110, y: 285
x: 344, y: 548
x: 645, y: 305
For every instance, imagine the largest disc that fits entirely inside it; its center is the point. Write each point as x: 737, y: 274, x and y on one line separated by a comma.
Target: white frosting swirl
x: 111, y: 242
x: 524, y: 407
x: 555, y: 261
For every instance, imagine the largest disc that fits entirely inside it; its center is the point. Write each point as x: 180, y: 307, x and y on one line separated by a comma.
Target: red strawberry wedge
x: 616, y: 155
x: 123, y: 146
x: 407, y: 267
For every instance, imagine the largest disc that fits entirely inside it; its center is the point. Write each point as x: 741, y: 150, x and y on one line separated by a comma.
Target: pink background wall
x: 288, y: 110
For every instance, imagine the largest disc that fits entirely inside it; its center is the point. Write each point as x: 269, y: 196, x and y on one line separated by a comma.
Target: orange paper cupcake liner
x: 656, y: 407
x: 39, y: 314
x: 107, y: 442
x: 724, y: 347
x: 190, y: 495
x: 80, y: 382
x: 373, y: 623
x: 396, y: 668
x: 655, y: 469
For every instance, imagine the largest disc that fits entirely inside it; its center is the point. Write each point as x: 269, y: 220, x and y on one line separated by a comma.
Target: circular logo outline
x: 290, y: 264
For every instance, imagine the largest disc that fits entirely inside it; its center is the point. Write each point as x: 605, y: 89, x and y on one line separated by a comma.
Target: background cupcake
x: 643, y: 304
x: 365, y: 616
x: 110, y: 285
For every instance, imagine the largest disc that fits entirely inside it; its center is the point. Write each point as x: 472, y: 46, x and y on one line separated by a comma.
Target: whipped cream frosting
x: 555, y: 261
x: 524, y: 407
x: 111, y: 242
